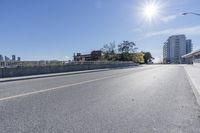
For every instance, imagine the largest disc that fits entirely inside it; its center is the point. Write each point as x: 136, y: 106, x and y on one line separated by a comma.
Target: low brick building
x: 93, y: 56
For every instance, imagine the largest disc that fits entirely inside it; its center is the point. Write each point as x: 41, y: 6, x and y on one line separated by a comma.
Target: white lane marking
x: 56, y: 88
x: 64, y: 86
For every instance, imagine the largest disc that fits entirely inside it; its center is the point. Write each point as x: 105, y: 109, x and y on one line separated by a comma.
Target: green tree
x: 126, y: 47
x: 138, y: 57
x: 109, y: 51
x: 126, y: 50
x: 147, y: 57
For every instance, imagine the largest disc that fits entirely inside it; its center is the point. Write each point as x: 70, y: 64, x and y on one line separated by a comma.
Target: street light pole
x: 186, y: 13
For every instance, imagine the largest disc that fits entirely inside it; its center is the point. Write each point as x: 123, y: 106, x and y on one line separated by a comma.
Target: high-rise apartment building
x: 1, y: 57
x: 13, y: 57
x: 18, y: 58
x: 188, y: 46
x: 7, y: 58
x: 166, y: 54
x: 175, y: 47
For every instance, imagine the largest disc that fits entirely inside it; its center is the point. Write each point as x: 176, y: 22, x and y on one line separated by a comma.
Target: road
x: 148, y: 99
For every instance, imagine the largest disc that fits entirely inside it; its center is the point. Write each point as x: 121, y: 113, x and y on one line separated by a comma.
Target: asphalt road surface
x: 148, y: 99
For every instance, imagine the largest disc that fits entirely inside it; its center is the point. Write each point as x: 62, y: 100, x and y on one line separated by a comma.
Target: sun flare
x: 150, y: 10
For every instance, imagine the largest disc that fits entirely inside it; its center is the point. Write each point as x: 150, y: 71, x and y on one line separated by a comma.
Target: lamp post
x: 187, y: 13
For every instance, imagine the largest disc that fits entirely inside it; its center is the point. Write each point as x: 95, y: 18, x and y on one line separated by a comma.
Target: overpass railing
x: 14, y: 64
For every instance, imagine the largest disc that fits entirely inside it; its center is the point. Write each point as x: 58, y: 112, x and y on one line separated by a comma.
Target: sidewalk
x: 193, y: 73
x: 48, y: 75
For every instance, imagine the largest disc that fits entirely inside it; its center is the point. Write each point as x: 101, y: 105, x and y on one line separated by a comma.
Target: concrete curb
x: 194, y: 86
x: 49, y: 75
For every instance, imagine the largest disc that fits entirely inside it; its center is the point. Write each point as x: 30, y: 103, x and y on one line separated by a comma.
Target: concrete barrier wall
x: 25, y: 71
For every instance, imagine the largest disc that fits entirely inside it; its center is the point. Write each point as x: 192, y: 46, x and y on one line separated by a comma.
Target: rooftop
x: 196, y: 52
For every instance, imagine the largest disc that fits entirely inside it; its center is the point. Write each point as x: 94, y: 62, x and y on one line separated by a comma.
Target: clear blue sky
x: 54, y: 29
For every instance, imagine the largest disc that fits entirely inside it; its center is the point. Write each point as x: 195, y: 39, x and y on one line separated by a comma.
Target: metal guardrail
x: 14, y: 64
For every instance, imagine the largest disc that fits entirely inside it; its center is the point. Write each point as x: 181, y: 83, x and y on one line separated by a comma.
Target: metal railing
x: 13, y: 64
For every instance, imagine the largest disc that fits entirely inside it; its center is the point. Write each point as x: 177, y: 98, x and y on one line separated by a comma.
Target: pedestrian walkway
x: 193, y: 73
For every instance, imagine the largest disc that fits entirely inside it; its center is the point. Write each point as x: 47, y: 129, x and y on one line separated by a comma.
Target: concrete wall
x: 25, y: 71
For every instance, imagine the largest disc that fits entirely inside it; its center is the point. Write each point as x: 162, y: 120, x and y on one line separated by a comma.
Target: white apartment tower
x: 175, y: 47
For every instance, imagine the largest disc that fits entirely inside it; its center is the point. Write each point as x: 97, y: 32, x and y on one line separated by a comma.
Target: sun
x: 150, y: 10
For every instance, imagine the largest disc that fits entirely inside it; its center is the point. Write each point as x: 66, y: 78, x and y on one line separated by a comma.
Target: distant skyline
x: 55, y: 29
